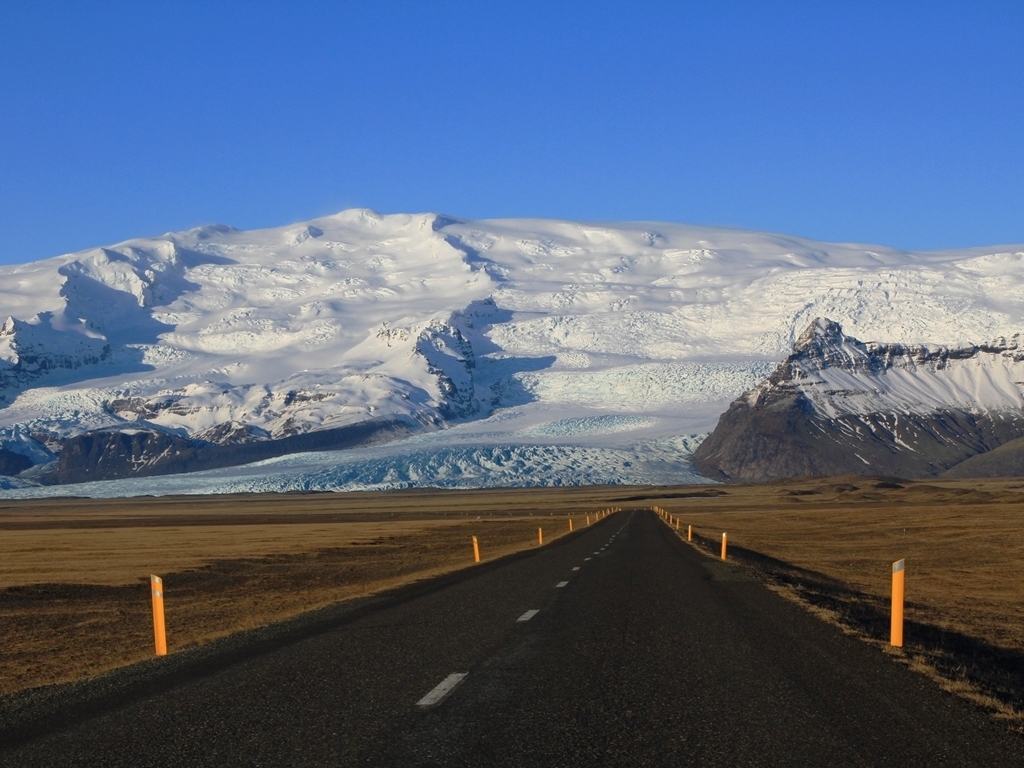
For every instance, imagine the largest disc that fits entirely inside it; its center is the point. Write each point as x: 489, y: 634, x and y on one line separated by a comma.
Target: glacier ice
x: 507, y: 336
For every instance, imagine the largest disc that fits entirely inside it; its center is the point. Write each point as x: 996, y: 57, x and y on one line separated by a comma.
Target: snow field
x: 531, y: 341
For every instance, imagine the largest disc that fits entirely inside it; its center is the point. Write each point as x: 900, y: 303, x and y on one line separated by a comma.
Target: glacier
x: 520, y: 351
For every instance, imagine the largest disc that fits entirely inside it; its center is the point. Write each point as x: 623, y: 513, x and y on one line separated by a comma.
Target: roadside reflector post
x: 689, y: 533
x: 725, y: 540
x: 156, y: 587
x: 570, y: 525
x: 476, y: 550
x: 588, y: 519
x: 540, y: 536
x: 896, y: 633
x: 677, y: 523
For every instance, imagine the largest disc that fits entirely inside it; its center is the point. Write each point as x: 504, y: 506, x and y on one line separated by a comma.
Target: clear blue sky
x: 894, y: 123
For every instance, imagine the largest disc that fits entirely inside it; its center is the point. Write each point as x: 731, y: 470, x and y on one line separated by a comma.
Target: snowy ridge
x: 838, y: 405
x: 221, y: 335
x: 841, y: 375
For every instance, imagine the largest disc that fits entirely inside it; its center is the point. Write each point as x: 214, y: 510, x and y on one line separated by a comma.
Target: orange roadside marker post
x: 540, y: 536
x: 896, y: 632
x: 570, y: 525
x: 724, y: 544
x: 588, y: 519
x: 677, y: 523
x: 689, y: 533
x: 476, y: 550
x: 156, y: 587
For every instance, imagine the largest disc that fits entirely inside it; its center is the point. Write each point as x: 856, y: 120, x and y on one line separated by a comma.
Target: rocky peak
x: 824, y: 345
x: 820, y: 334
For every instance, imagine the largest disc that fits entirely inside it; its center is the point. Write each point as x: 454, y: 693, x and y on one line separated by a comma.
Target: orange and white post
x: 689, y: 533
x: 725, y: 544
x: 540, y: 536
x: 476, y: 550
x: 588, y: 519
x: 156, y: 586
x: 570, y: 525
x: 896, y: 631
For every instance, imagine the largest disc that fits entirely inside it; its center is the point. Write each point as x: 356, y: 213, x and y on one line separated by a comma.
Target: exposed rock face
x: 450, y: 358
x: 29, y: 351
x: 838, y: 405
x: 110, y: 454
x: 12, y: 463
x: 105, y: 455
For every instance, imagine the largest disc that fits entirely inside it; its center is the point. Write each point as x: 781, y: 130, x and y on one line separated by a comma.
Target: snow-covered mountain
x: 214, y: 346
x: 837, y: 405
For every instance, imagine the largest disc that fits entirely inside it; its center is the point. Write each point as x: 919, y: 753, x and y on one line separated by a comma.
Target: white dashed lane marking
x: 528, y: 615
x: 576, y: 568
x: 443, y: 688
x: 561, y: 584
x: 585, y: 559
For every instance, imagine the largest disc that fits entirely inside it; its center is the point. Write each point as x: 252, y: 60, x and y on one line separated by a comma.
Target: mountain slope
x: 1005, y: 461
x: 837, y: 405
x: 222, y: 337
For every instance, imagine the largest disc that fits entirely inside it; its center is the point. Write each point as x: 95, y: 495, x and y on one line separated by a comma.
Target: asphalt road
x: 641, y: 651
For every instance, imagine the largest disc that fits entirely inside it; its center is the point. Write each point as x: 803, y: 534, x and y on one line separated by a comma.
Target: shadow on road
x: 957, y: 658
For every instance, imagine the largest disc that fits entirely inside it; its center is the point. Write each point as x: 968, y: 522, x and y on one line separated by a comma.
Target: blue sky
x: 893, y: 123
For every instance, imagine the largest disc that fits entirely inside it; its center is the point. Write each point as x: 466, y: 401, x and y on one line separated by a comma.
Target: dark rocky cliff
x: 112, y: 454
x: 12, y: 463
x: 779, y: 429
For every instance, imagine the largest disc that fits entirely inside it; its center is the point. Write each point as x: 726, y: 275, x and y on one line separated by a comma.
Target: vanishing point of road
x: 618, y: 645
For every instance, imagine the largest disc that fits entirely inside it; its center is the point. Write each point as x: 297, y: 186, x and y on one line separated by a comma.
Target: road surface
x: 618, y: 645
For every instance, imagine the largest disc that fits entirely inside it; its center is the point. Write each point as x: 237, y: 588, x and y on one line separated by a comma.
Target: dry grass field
x: 832, y: 542
x: 74, y: 597
x: 74, y: 594
x: 963, y: 542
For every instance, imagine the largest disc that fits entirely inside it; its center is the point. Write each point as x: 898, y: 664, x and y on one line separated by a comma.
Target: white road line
x: 528, y: 615
x: 443, y: 688
x: 585, y: 559
x: 561, y: 584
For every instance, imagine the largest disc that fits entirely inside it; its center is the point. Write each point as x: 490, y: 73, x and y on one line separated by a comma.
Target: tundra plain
x: 74, y: 597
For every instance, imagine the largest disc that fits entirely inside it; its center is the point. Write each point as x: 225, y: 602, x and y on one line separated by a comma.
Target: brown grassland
x: 74, y: 573
x: 74, y: 597
x: 830, y: 543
